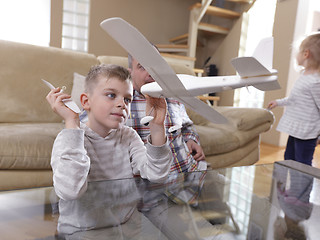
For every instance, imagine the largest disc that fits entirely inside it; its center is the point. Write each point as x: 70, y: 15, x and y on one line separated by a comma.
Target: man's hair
x: 312, y: 43
x: 107, y: 71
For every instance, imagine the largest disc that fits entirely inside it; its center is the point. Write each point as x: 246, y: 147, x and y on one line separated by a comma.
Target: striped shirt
x: 80, y: 156
x: 176, y: 115
x: 301, y: 118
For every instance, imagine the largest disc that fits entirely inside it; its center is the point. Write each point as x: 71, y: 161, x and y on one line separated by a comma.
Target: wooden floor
x: 270, y: 153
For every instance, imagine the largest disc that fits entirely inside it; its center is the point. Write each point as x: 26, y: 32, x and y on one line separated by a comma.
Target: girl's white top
x: 301, y: 118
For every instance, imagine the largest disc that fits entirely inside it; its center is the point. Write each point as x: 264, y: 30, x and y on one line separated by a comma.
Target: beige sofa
x: 28, y: 126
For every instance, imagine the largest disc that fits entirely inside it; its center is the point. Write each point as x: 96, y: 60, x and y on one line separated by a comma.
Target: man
x: 187, y: 152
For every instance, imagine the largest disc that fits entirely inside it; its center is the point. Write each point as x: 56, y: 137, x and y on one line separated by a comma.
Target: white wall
x: 25, y: 21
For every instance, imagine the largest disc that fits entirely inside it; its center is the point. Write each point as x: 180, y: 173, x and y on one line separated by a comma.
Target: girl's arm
x: 279, y: 102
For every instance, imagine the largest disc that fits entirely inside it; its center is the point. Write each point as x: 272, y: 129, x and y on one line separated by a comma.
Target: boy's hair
x: 107, y: 71
x: 312, y: 43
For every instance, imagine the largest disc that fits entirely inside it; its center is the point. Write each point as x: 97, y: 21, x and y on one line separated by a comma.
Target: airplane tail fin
x: 260, y: 63
x: 249, y: 67
x: 264, y: 52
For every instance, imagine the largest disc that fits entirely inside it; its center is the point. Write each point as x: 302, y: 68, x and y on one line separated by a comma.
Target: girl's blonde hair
x: 312, y: 43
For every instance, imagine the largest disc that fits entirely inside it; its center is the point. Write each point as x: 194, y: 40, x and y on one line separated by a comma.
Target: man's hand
x: 54, y: 98
x: 196, y: 150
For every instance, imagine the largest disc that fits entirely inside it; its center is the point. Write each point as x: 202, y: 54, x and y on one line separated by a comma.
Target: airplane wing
x: 203, y: 109
x: 141, y: 49
x: 146, y: 54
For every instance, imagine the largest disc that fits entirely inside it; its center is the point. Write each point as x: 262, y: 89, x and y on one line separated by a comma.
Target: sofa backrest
x: 22, y: 66
x: 179, y: 68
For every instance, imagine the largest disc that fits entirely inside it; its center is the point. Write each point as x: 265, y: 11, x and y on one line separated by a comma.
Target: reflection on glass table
x: 275, y: 201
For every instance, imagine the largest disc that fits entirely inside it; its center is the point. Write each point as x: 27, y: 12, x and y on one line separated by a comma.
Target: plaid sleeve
x: 189, y: 133
x: 187, y: 130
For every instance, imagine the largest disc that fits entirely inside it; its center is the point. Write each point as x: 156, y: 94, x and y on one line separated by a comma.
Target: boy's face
x: 139, y: 75
x: 108, y: 104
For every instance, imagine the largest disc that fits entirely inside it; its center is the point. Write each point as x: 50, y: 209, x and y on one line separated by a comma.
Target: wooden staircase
x: 184, y: 47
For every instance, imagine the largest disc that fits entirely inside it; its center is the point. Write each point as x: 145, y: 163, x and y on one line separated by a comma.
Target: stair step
x: 218, y: 12
x: 181, y: 38
x: 184, y: 39
x: 188, y: 61
x: 172, y: 47
x: 213, y: 28
x: 240, y: 1
x: 198, y: 71
x: 178, y: 56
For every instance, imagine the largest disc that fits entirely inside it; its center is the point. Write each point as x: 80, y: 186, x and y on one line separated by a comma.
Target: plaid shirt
x: 176, y: 115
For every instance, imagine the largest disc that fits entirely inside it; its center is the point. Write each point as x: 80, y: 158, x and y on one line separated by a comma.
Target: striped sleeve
x: 70, y: 164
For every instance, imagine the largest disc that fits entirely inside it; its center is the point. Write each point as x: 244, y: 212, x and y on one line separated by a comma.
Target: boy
x: 104, y: 148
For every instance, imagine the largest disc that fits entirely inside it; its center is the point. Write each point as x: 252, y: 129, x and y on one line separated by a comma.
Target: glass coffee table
x: 270, y: 201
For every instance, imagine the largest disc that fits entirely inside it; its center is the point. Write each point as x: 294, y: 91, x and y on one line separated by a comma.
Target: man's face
x: 139, y: 75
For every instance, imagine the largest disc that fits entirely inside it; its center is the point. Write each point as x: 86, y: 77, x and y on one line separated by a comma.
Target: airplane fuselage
x: 195, y: 86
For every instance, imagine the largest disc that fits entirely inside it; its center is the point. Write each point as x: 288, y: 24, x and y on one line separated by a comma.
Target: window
x: 260, y: 25
x: 75, y: 25
x: 240, y: 196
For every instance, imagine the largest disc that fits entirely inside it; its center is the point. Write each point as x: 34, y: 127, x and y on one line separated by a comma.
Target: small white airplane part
x: 253, y: 71
x: 68, y: 102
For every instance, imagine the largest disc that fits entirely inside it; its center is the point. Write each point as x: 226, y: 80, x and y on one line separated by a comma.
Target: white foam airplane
x: 185, y: 88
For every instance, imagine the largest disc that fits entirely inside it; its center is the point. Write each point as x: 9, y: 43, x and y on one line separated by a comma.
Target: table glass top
x: 271, y: 201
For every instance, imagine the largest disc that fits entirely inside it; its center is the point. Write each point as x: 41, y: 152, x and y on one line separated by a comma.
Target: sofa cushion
x: 27, y: 146
x: 77, y: 88
x: 245, y: 155
x: 22, y: 66
x: 244, y: 125
x: 242, y: 118
x: 117, y: 60
x: 217, y: 140
x: 123, y: 61
x: 22, y: 179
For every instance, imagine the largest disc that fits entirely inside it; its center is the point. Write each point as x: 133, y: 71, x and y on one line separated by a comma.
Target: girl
x: 301, y: 119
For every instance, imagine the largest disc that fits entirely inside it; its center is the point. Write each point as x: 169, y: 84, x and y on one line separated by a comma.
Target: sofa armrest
x: 245, y: 124
x: 243, y: 119
x: 247, y: 118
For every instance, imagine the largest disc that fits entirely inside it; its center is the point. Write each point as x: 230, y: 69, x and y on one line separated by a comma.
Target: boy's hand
x: 158, y: 109
x: 54, y: 98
